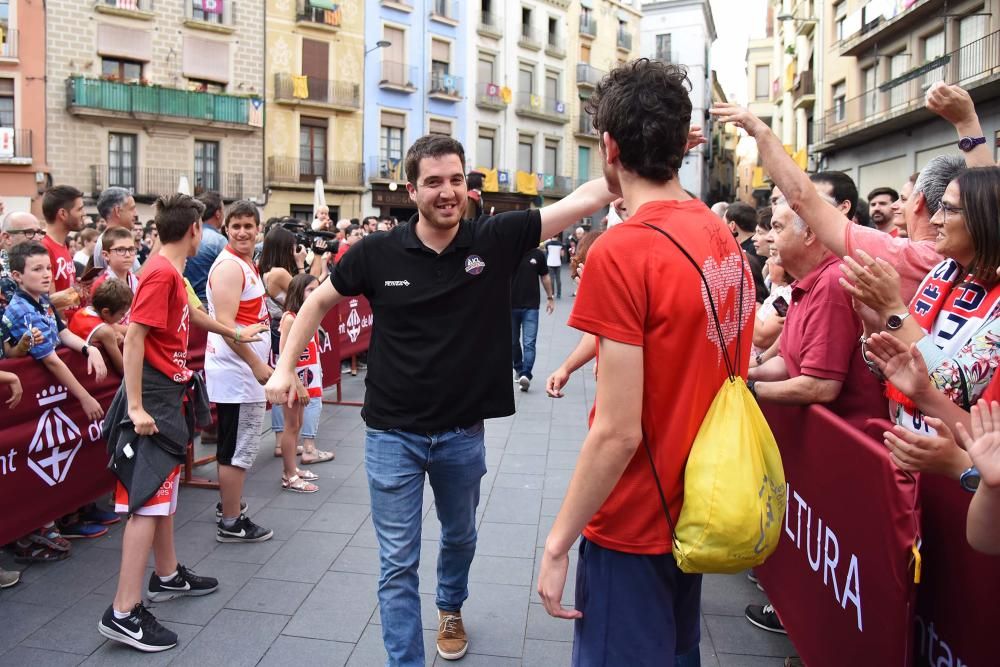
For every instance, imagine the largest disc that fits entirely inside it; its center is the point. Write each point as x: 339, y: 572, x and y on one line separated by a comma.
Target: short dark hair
x: 19, y: 254
x: 842, y: 188
x: 980, y: 199
x: 243, y: 208
x: 475, y: 180
x: 296, y: 294
x: 370, y: 218
x: 645, y: 107
x: 113, y: 294
x: 743, y: 215
x: 878, y: 192
x: 175, y: 214
x: 57, y: 198
x: 764, y: 214
x: 861, y: 215
x: 430, y: 145
x: 113, y: 234
x: 212, y: 201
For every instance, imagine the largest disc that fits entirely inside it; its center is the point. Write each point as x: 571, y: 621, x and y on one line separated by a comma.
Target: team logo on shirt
x: 474, y: 265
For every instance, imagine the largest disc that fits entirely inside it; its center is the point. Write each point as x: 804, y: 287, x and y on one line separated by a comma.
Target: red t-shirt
x: 821, y: 338
x: 161, y: 303
x: 85, y: 322
x: 63, y: 268
x: 639, y: 289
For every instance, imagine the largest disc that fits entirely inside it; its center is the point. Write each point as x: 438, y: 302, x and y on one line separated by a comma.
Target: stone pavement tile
x: 477, y: 660
x: 506, y: 539
x: 270, y: 596
x: 265, y: 488
x: 562, y: 444
x: 531, y: 464
x: 370, y: 652
x: 544, y: 526
x: 200, y: 610
x: 301, y: 651
x: 193, y: 541
x: 74, y: 630
x: 112, y: 541
x: 36, y: 657
x: 356, y: 495
x: 527, y: 426
x: 258, y: 553
x: 729, y: 594
x: 556, y: 483
x: 113, y: 654
x: 542, y: 626
x: 207, y: 514
x: 303, y: 501
x: 233, y: 638
x: 500, y: 570
x: 284, y: 522
x: 337, y: 518
x: 20, y: 619
x: 338, y: 609
x: 538, y: 653
x: 527, y: 443
x: 305, y: 557
x: 360, y: 560
x: 357, y: 478
x: 493, y: 455
x: 736, y: 660
x: 64, y: 582
x: 561, y: 460
x: 365, y: 537
x: 495, y: 618
x: 514, y: 505
x: 709, y: 658
x: 735, y: 635
x: 550, y: 506
x: 336, y: 470
x: 508, y: 480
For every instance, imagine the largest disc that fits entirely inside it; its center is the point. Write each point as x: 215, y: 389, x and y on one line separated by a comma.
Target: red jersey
x: 63, y: 268
x: 85, y: 322
x: 640, y: 290
x: 161, y: 303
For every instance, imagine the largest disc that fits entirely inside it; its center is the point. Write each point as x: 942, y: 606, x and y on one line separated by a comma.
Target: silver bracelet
x: 872, y: 366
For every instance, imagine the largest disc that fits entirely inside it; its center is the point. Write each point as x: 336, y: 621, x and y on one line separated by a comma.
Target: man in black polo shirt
x: 524, y: 304
x: 438, y: 365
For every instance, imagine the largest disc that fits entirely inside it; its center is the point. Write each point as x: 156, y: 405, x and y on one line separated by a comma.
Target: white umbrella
x: 184, y: 186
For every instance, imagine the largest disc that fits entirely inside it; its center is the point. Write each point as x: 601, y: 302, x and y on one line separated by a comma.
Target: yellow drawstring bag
x: 734, y: 484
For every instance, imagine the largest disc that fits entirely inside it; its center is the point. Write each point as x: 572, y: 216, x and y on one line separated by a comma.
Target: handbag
x: 734, y: 483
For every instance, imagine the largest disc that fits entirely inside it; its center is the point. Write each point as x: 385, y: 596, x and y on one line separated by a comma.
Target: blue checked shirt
x: 24, y: 313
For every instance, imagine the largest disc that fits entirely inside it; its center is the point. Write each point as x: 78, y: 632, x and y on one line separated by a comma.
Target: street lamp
x: 789, y: 17
x: 380, y: 44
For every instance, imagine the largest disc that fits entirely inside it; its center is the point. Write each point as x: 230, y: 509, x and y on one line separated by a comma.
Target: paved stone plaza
x: 308, y: 596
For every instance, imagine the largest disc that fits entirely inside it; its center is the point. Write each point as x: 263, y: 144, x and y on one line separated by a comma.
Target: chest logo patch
x: 474, y: 265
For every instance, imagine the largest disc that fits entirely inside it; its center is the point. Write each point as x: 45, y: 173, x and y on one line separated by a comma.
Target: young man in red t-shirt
x: 62, y: 206
x: 661, y: 366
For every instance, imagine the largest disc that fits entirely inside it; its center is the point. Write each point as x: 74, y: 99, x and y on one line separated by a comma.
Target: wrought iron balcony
x: 142, y: 9
x: 445, y: 86
x: 625, y: 40
x: 588, y: 76
x: 398, y: 76
x: 529, y: 39
x: 148, y: 183
x: 488, y: 96
x: 15, y: 146
x: 554, y: 46
x: 803, y: 89
x: 490, y: 25
x: 585, y: 127
x: 316, y: 91
x: 318, y: 16
x: 382, y: 168
x: 543, y: 108
x: 282, y: 169
x: 8, y: 43
x: 556, y: 186
x: 588, y: 27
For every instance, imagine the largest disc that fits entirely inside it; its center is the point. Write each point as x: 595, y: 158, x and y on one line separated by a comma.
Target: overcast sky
x: 736, y: 22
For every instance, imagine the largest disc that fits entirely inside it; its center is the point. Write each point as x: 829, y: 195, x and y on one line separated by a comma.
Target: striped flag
x: 255, y: 115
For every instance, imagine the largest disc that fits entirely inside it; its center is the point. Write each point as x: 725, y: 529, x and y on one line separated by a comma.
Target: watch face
x: 970, y: 480
x: 894, y: 322
x: 965, y: 144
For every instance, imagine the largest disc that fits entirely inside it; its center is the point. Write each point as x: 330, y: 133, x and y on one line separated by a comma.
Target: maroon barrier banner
x: 329, y: 347
x: 840, y: 578
x: 958, y: 600
x: 355, y: 326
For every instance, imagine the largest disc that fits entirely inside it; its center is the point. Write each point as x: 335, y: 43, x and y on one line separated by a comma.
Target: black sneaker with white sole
x: 765, y: 618
x: 218, y: 509
x: 244, y: 530
x: 185, y: 582
x: 140, y: 630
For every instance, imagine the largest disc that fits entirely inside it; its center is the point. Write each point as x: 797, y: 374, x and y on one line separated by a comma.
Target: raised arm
x: 956, y: 106
x: 583, y: 201
x: 827, y: 223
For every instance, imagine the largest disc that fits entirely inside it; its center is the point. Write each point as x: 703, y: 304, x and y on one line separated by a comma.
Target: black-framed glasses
x: 124, y: 252
x: 948, y: 209
x: 29, y: 234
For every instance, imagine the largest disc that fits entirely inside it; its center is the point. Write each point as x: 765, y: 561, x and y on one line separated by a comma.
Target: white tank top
x: 229, y: 378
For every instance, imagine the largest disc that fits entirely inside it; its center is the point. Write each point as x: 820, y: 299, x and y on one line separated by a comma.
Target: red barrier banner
x: 840, y: 578
x: 958, y: 599
x: 329, y: 347
x: 355, y: 326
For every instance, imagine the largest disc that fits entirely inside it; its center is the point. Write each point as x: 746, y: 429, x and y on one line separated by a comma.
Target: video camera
x: 318, y: 242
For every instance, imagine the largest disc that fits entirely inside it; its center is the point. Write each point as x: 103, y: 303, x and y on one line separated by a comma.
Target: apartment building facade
x: 142, y: 95
x: 24, y: 173
x: 881, y: 58
x: 415, y: 79
x: 761, y: 93
x: 796, y: 60
x: 314, y: 86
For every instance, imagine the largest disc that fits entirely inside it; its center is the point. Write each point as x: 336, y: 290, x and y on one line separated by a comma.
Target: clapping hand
x: 873, y: 282
x: 983, y: 445
x: 902, y: 365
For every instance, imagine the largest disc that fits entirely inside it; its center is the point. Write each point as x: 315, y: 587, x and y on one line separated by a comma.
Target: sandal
x: 49, y: 537
x: 307, y: 475
x: 319, y: 456
x: 298, y: 485
x: 37, y: 553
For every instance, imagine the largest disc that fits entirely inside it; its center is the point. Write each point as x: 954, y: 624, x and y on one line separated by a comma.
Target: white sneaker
x: 524, y: 382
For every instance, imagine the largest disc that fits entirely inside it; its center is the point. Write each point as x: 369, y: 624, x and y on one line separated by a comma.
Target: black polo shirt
x: 439, y: 356
x: 524, y: 292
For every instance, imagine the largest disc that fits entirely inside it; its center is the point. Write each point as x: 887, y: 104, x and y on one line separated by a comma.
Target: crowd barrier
x: 53, y: 459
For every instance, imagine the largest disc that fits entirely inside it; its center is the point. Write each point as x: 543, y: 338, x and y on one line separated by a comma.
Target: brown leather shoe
x: 452, y: 642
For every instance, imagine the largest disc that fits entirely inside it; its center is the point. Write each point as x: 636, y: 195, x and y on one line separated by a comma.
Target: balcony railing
x: 128, y: 5
x: 588, y: 76
x: 307, y: 12
x: 386, y: 168
x: 556, y: 186
x: 152, y: 182
x: 488, y: 96
x: 490, y: 24
x: 968, y: 66
x: 529, y: 39
x: 446, y: 85
x: 281, y: 169
x: 205, y: 11
x: 90, y: 96
x: 399, y: 76
x: 625, y: 40
x: 317, y: 91
x: 588, y: 27
x: 545, y: 108
x: 554, y: 46
x: 803, y: 87
x: 585, y: 126
x: 8, y: 45
x: 444, y: 10
x: 15, y: 146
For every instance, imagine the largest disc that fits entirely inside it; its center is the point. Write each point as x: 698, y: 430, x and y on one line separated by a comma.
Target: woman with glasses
x: 941, y: 352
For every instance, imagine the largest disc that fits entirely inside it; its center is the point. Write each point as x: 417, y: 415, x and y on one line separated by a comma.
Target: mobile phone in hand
x: 780, y: 306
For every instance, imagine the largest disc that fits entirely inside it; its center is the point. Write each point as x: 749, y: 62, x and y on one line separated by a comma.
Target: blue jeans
x: 525, y: 319
x: 310, y: 418
x: 396, y: 462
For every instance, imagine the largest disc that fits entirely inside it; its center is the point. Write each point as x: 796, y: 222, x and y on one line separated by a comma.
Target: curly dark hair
x: 644, y: 106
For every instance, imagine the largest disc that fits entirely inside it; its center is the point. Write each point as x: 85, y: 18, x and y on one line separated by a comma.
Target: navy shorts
x: 638, y: 610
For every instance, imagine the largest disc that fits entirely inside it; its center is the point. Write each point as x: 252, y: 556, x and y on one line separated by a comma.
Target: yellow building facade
x: 313, y: 118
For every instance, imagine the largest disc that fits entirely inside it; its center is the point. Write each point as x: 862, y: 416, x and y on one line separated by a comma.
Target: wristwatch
x: 966, y: 144
x: 895, y: 322
x: 970, y: 479
x: 85, y: 349
x: 752, y: 386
